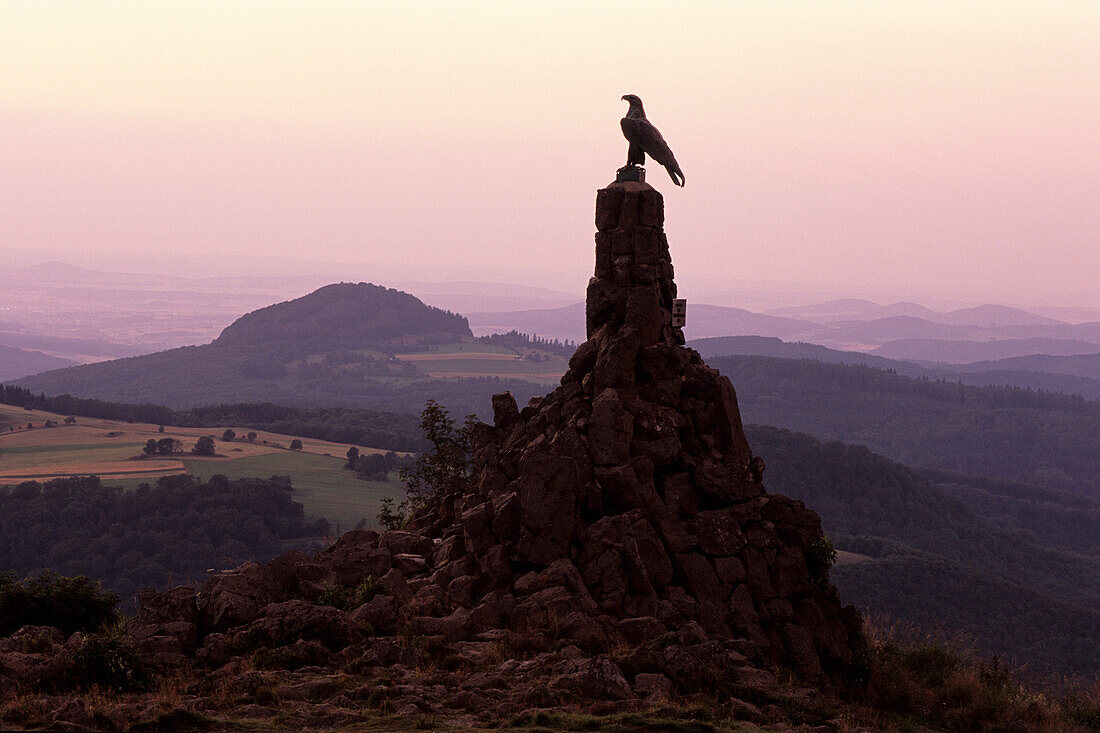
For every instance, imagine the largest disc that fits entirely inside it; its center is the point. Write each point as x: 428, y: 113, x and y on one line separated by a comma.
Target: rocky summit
x: 615, y: 547
x: 627, y: 502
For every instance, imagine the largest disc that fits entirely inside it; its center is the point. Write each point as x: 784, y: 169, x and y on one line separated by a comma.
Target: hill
x: 1072, y: 375
x: 856, y: 309
x: 1015, y: 565
x: 1079, y: 365
x: 1043, y: 439
x: 348, y: 316
x: 898, y: 331
x: 16, y: 362
x: 709, y: 348
x: 961, y: 351
x: 354, y: 346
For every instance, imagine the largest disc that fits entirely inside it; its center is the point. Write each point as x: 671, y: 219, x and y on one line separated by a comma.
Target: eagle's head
x: 636, y: 109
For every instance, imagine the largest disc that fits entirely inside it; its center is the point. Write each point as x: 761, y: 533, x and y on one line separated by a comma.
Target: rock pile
x: 616, y: 544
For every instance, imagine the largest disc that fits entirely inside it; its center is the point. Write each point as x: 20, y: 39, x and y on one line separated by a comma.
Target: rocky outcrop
x: 615, y: 544
x: 633, y: 486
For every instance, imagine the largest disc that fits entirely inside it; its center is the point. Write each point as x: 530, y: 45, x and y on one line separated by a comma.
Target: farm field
x: 107, y: 448
x: 465, y: 360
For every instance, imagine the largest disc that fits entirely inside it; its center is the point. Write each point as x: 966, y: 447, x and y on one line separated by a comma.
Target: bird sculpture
x: 645, y: 138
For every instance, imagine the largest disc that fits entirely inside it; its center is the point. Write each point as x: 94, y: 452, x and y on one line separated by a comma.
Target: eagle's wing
x: 640, y: 131
x: 635, y: 154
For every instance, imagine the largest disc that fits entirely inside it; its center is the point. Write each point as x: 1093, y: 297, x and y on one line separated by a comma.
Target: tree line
x: 377, y: 429
x: 158, y: 535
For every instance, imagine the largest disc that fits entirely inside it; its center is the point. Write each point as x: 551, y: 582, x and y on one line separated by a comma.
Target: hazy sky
x: 951, y: 147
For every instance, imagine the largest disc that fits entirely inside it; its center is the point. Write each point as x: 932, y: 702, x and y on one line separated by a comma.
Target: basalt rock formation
x: 630, y: 492
x: 615, y: 546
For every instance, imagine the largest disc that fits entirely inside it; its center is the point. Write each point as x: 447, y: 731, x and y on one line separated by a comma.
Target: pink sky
x: 945, y: 147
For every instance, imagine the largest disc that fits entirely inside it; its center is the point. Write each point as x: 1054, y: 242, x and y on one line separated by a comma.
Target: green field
x: 320, y: 483
x: 108, y: 449
x: 465, y: 360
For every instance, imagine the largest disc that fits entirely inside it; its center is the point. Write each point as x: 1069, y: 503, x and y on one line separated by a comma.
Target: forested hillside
x: 348, y: 315
x: 1010, y: 566
x: 1014, y: 434
x: 155, y: 536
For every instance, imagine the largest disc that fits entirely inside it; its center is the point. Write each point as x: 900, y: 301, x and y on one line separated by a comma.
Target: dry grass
x: 919, y: 678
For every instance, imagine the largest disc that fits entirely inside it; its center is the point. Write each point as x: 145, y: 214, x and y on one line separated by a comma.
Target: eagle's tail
x: 675, y: 173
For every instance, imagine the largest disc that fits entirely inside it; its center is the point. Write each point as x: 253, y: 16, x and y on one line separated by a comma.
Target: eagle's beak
x: 623, y: 97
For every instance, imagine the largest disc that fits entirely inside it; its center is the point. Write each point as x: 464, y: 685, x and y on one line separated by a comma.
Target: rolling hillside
x: 343, y: 345
x: 1044, y: 439
x: 111, y: 449
x: 16, y: 362
x: 1073, y: 375
x: 1008, y: 566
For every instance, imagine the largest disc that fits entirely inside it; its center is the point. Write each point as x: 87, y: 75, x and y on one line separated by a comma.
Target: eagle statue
x: 645, y: 138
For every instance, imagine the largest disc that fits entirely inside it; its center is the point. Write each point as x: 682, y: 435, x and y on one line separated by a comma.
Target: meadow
x: 113, y: 450
x: 469, y: 360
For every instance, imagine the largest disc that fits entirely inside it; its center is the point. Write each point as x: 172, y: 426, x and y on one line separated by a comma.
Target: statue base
x: 630, y: 173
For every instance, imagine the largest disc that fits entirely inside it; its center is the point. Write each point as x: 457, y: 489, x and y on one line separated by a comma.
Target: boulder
x: 236, y: 597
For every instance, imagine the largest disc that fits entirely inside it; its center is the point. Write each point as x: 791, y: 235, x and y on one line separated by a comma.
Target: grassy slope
x: 104, y: 447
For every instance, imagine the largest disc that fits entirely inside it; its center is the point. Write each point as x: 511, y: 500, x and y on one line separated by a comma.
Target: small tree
x: 70, y: 420
x: 445, y: 467
x: 251, y: 437
x: 167, y: 446
x: 160, y: 428
x: 390, y: 517
x: 295, y: 444
x: 204, y: 446
x: 229, y: 435
x: 150, y: 448
x: 353, y: 455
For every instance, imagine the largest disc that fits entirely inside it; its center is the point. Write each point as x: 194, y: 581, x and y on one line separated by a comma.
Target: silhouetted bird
x: 645, y: 138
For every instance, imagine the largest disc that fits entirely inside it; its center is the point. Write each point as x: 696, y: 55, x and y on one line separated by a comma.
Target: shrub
x: 388, y: 516
x: 820, y: 559
x: 69, y: 604
x: 104, y: 660
x: 295, y: 444
x: 347, y: 599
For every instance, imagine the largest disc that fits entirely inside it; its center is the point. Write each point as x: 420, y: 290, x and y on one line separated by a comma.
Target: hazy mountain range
x: 904, y: 331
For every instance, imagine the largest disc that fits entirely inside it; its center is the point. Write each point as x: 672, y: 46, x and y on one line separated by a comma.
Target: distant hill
x: 1073, y: 375
x: 849, y: 309
x: 84, y: 347
x: 334, y: 347
x: 345, y: 314
x: 1044, y: 439
x: 709, y: 348
x: 16, y: 362
x: 903, y: 331
x: 703, y: 321
x: 1078, y: 365
x: 1014, y: 566
x: 996, y: 315
x: 967, y: 352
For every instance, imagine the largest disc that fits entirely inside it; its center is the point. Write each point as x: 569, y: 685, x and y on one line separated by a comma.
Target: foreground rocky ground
x: 261, y: 648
